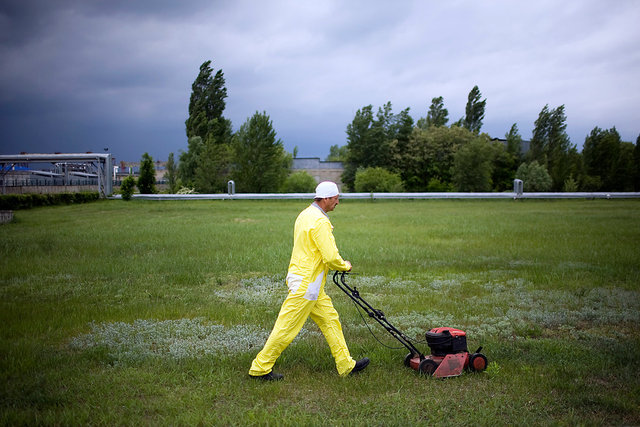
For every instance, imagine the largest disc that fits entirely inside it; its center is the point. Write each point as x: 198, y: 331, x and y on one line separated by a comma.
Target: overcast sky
x: 84, y: 75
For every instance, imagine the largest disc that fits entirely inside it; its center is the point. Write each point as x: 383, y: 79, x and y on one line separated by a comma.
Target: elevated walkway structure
x: 62, y: 168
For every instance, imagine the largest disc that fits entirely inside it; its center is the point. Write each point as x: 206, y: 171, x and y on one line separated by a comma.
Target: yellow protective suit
x: 314, y: 253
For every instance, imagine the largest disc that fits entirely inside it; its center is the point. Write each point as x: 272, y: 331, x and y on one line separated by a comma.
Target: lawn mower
x: 449, y: 355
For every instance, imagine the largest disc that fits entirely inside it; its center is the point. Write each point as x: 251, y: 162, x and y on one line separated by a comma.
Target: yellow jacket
x: 314, y: 252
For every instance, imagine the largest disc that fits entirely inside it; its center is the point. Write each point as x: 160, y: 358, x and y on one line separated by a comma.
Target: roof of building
x: 314, y: 163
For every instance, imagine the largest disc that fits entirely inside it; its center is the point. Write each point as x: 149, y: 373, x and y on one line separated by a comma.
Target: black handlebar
x: 378, y: 315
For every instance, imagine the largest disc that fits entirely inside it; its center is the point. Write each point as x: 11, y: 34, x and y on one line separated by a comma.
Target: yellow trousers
x: 294, y: 312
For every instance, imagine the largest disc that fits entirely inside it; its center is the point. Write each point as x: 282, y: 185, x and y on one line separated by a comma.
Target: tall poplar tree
x: 436, y: 116
x: 206, y: 164
x: 514, y: 142
x: 550, y: 145
x: 539, y: 139
x: 474, y: 111
x: 207, y: 103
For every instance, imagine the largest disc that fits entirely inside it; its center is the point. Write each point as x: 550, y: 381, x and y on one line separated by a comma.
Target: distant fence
x: 376, y: 196
x: 43, y: 182
x: 47, y: 185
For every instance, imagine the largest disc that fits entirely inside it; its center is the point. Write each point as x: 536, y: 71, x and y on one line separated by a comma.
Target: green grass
x: 142, y: 312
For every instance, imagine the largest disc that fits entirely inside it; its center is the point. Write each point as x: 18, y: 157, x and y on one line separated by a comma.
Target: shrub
x: 299, y: 182
x: 570, y: 185
x: 66, y: 198
x: 534, y: 176
x: 127, y: 187
x: 377, y: 180
x: 436, y: 186
x: 27, y: 201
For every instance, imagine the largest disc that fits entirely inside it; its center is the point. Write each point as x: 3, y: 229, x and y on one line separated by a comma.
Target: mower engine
x: 449, y: 355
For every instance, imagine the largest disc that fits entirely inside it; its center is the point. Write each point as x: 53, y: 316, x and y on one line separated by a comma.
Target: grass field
x: 129, y: 313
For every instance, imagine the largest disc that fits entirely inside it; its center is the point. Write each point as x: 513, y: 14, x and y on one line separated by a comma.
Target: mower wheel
x: 407, y: 360
x: 477, y: 362
x: 427, y: 367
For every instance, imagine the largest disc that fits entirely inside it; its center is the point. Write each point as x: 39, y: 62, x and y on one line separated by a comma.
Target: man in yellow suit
x: 314, y: 254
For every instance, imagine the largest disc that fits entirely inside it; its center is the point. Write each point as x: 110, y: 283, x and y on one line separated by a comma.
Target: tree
x: 514, y: 142
x: 337, y: 154
x: 430, y: 154
x: 207, y: 103
x: 147, y: 178
x: 474, y: 111
x: 550, y: 145
x: 261, y: 164
x: 576, y: 169
x: 206, y: 127
x: 378, y: 180
x: 299, y: 182
x: 381, y: 134
x: 503, y: 167
x: 608, y: 160
x: 472, y: 166
x: 437, y: 114
x: 559, y: 146
x: 358, y: 143
x: 171, y: 175
x: 534, y: 176
x: 398, y: 135
x: 623, y: 174
x: 189, y: 161
x: 214, y: 169
x: 539, y: 139
x: 375, y: 142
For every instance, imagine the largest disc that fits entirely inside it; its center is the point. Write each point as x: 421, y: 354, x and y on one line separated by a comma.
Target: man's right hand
x: 349, y: 265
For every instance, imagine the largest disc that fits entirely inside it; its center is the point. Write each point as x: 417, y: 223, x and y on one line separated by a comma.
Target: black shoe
x: 271, y: 376
x: 360, y: 365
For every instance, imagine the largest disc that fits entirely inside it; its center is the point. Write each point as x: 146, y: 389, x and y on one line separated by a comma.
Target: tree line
x: 253, y: 156
x: 387, y: 151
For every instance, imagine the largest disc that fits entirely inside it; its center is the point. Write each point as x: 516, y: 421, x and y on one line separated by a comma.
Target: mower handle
x: 378, y: 315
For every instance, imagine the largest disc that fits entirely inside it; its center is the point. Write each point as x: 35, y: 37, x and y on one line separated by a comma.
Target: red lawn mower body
x: 449, y: 355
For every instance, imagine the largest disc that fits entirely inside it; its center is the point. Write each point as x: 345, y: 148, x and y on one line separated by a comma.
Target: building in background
x: 320, y: 170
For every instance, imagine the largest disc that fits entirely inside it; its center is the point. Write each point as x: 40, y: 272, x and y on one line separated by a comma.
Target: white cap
x: 326, y: 189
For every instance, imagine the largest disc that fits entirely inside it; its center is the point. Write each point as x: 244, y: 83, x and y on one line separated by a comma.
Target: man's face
x: 332, y: 202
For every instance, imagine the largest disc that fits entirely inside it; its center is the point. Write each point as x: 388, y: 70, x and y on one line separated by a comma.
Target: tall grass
x: 151, y: 312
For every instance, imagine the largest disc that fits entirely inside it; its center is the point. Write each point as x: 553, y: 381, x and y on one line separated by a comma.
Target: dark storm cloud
x: 79, y: 75
x: 87, y: 75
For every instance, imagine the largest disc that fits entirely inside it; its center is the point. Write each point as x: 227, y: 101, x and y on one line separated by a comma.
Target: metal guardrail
x: 381, y: 196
